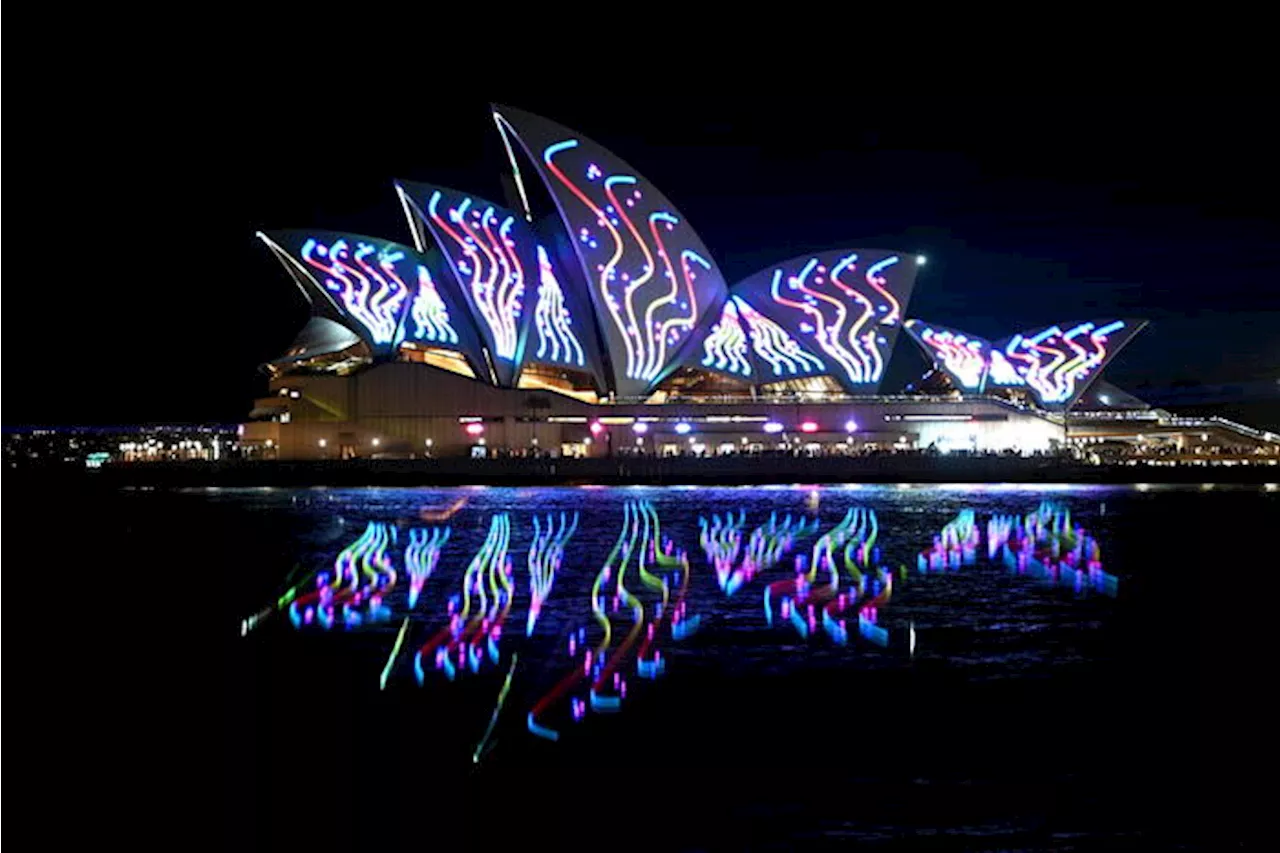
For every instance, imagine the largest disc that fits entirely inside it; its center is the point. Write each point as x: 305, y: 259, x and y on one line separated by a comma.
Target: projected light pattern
x: 479, y: 245
x: 846, y: 305
x: 546, y: 553
x: 725, y: 348
x: 772, y: 343
x: 1055, y: 366
x: 1046, y: 544
x: 556, y: 340
x: 649, y: 275
x: 1054, y: 363
x: 962, y: 357
x: 429, y: 314
x: 365, y: 279
x: 421, y: 557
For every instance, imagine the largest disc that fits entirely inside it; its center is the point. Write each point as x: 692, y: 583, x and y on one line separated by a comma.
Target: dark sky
x: 142, y: 209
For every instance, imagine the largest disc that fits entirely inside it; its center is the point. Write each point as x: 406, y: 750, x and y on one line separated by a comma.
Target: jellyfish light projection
x: 651, y: 279
x: 390, y: 296
x: 847, y: 304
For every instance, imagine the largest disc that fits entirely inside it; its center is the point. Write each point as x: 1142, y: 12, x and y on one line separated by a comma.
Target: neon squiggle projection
x: 649, y: 277
x: 429, y: 313
x: 846, y: 304
x: 964, y: 358
x: 556, y: 340
x: 772, y: 343
x: 371, y: 293
x: 421, y: 557
x: 725, y: 347
x: 481, y: 249
x: 1054, y: 363
x: 546, y: 553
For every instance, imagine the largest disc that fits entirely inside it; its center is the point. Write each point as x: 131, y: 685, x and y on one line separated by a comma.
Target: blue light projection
x: 725, y: 348
x: 775, y: 347
x: 847, y: 304
x: 365, y: 279
x: 1057, y: 366
x: 384, y: 292
x: 557, y: 342
x: 492, y: 257
x: 651, y: 280
x: 965, y: 358
x: 1053, y: 365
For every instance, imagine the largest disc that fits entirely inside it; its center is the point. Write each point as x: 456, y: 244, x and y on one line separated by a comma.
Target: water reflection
x: 1046, y: 544
x: 609, y: 587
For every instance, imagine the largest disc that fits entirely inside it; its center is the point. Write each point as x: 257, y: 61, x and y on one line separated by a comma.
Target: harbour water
x: 934, y: 667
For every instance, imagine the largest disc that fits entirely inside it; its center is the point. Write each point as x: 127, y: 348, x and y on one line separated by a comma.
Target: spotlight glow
x: 640, y: 428
x: 773, y: 427
x: 683, y: 428
x: 809, y: 426
x: 474, y: 429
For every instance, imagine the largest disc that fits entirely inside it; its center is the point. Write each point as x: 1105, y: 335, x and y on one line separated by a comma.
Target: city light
x: 322, y: 442
x: 920, y: 260
x: 430, y: 442
x: 640, y: 428
x: 772, y: 427
x: 596, y: 428
x: 474, y: 428
x: 851, y: 425
x: 808, y: 426
x: 376, y: 442
x: 683, y: 428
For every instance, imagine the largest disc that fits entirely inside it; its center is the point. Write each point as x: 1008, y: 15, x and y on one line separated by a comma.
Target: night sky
x: 1030, y: 212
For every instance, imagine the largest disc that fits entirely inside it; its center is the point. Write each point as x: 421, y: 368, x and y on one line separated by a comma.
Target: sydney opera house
x: 588, y: 318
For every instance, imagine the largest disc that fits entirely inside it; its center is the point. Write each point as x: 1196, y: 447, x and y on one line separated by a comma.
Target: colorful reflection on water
x: 826, y: 577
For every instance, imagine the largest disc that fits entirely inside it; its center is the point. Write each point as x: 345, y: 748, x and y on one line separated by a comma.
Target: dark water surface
x: 1030, y: 713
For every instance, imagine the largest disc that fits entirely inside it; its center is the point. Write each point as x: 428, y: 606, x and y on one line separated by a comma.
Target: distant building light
x: 808, y: 426
x: 683, y: 428
x: 475, y: 428
x: 640, y: 428
x: 772, y: 427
